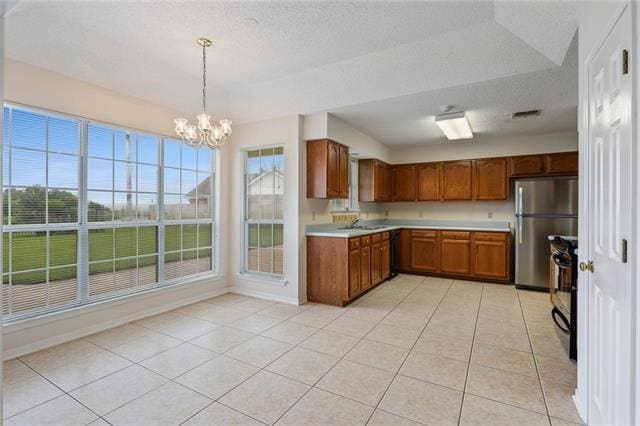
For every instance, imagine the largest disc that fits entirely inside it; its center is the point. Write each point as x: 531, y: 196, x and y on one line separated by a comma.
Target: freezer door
x: 533, y: 250
x: 548, y: 196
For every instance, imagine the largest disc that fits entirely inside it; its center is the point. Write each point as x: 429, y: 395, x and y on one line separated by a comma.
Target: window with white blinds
x: 85, y: 216
x: 187, y: 209
x: 264, y: 211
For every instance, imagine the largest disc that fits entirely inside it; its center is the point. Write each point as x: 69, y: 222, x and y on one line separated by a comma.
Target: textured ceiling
x: 300, y: 57
x: 409, y: 120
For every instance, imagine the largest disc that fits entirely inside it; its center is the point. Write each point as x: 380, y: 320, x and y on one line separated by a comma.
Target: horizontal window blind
x: 85, y: 214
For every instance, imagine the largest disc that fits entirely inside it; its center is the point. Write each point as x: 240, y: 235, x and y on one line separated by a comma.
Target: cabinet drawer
x: 490, y: 236
x: 365, y: 241
x: 455, y: 235
x: 385, y: 236
x: 376, y: 238
x: 354, y: 243
x: 424, y: 234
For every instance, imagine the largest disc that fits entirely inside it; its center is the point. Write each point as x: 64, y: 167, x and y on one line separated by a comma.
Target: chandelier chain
x: 204, y: 78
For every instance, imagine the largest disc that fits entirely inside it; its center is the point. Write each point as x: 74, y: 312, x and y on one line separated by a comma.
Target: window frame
x: 246, y: 221
x: 82, y: 226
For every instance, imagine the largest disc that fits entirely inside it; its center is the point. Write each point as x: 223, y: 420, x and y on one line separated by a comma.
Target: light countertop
x: 333, y: 229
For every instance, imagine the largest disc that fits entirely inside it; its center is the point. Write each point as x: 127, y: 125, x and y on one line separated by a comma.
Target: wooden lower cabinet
x: 424, y: 251
x: 460, y: 254
x: 455, y: 253
x: 341, y: 269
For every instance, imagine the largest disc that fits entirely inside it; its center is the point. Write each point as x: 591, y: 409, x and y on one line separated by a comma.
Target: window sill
x: 262, y: 279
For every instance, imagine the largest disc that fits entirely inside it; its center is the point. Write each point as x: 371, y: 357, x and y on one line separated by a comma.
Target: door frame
x: 581, y: 394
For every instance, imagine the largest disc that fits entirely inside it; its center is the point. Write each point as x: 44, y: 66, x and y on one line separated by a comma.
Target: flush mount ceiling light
x: 454, y: 125
x: 205, y: 133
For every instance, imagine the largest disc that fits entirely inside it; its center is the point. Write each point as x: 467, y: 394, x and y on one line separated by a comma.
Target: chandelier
x: 204, y: 133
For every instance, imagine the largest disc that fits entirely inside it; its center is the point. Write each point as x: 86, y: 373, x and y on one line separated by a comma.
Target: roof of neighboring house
x: 263, y: 174
x: 202, y: 188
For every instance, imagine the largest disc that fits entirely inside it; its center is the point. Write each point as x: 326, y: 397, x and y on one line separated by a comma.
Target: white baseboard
x: 580, y: 407
x: 39, y: 333
x: 262, y: 295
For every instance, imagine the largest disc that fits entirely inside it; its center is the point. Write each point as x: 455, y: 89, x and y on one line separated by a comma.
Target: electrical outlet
x: 313, y: 216
x: 421, y: 214
x: 490, y: 215
x: 386, y: 214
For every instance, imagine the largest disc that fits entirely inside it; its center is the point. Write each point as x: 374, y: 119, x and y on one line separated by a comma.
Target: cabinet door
x: 376, y: 263
x: 403, y: 250
x: 404, y: 182
x: 490, y: 180
x: 333, y: 170
x: 424, y: 254
x: 455, y: 256
x: 365, y: 268
x: 565, y: 163
x: 343, y: 171
x: 490, y: 259
x: 379, y: 181
x: 429, y: 181
x: 354, y: 273
x: 387, y: 183
x: 386, y: 259
x: 526, y: 165
x: 456, y: 182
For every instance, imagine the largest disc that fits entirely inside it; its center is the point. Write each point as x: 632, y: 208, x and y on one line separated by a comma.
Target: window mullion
x: 160, y: 213
x: 83, y: 218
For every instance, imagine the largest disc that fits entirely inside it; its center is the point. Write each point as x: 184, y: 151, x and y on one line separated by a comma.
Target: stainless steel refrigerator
x: 544, y: 206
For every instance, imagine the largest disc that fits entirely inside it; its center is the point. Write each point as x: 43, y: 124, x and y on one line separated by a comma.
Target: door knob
x: 588, y: 266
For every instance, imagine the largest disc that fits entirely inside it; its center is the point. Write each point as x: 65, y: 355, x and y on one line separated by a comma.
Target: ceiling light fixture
x: 205, y: 133
x: 454, y: 125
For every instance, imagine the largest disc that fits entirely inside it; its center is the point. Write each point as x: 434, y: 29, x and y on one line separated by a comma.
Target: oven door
x: 561, y: 291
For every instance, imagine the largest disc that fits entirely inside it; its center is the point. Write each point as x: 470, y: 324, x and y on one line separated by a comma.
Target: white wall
x: 30, y: 85
x: 287, y: 132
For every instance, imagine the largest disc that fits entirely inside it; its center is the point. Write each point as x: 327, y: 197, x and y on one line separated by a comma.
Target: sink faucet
x: 354, y: 222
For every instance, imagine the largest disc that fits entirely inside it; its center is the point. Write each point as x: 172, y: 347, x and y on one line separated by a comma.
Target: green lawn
x: 106, y: 247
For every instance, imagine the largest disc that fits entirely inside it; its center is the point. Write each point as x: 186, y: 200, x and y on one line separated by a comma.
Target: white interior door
x: 609, y: 143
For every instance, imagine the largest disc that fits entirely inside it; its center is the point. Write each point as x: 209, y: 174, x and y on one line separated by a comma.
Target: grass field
x: 107, y: 248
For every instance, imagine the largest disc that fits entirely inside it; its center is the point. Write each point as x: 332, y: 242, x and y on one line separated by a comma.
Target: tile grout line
x: 342, y: 357
x: 535, y: 362
x: 410, y: 349
x: 473, y: 342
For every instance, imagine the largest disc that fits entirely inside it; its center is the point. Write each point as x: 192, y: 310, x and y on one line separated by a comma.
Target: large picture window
x: 83, y: 211
x: 264, y: 211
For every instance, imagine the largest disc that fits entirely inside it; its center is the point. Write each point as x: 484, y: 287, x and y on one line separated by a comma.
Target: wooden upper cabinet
x: 526, y: 165
x: 327, y: 169
x: 456, y: 180
x: 455, y: 253
x: 373, y: 181
x: 490, y: 181
x: 343, y: 171
x: 564, y: 163
x: 387, y: 193
x: 429, y: 181
x: 404, y: 182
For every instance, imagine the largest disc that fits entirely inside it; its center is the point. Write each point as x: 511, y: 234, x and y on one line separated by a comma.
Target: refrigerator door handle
x: 520, y: 194
x: 519, y: 219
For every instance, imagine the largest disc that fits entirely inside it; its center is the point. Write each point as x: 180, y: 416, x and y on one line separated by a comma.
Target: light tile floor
x: 415, y: 350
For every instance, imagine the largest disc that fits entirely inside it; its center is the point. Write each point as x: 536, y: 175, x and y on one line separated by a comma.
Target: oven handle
x: 565, y: 327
